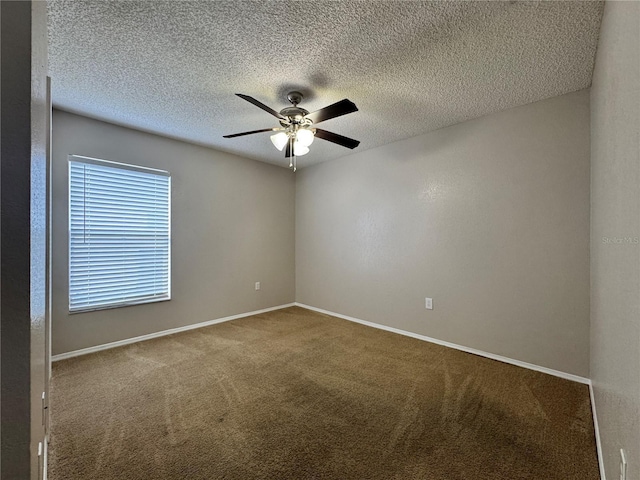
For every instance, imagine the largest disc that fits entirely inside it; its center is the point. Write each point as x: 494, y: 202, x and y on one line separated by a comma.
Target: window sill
x: 119, y: 305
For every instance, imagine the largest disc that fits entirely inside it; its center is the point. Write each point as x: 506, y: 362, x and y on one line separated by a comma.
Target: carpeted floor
x: 294, y: 394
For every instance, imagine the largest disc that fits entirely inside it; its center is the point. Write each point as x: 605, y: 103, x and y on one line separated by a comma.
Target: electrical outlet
x: 623, y: 465
x: 428, y: 303
x: 257, y: 285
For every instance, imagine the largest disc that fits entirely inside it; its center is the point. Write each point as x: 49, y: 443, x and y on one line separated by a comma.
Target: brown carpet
x: 294, y: 394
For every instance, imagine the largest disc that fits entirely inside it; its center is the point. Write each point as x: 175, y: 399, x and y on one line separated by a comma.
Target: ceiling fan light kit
x: 297, y: 132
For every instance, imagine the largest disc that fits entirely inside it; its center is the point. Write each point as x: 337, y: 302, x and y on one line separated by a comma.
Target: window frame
x: 124, y: 166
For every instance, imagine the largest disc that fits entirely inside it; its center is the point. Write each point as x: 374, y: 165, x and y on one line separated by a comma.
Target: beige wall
x: 615, y: 217
x: 232, y: 225
x: 490, y: 218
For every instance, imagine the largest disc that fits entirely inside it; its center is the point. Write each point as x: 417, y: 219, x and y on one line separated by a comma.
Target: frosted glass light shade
x: 299, y: 149
x: 279, y: 140
x: 305, y: 137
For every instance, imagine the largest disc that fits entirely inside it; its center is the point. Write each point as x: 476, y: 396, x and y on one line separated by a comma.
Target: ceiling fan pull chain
x: 292, y: 154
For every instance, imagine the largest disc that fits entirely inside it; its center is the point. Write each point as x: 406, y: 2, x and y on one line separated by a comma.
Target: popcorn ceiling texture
x: 411, y: 67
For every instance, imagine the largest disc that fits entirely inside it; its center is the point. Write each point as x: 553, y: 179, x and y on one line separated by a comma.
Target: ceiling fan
x: 297, y: 130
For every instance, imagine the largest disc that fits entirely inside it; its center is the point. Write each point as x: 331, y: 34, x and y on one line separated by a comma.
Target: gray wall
x: 489, y: 217
x: 23, y: 45
x: 232, y: 225
x: 615, y: 233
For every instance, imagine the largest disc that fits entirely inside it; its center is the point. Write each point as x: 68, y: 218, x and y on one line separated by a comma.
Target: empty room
x: 304, y: 240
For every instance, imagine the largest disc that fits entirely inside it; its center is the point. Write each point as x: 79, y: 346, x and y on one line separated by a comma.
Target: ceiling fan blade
x: 261, y: 105
x: 335, y: 138
x: 332, y: 111
x: 251, y: 132
x: 287, y: 152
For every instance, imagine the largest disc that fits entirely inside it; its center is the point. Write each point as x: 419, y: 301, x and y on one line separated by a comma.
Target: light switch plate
x: 257, y: 285
x: 428, y: 303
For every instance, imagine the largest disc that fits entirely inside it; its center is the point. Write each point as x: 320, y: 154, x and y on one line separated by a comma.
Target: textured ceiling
x: 411, y: 67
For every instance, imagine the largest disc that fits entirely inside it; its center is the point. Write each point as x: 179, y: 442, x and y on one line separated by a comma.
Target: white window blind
x: 119, y: 234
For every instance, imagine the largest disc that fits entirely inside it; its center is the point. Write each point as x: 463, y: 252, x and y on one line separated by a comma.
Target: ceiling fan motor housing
x: 295, y: 115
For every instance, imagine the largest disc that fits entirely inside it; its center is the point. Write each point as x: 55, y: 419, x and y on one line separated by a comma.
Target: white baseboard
x: 597, y: 432
x: 493, y: 356
x: 119, y: 343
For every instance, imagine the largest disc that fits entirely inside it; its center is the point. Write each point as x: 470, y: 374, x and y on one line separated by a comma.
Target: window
x: 119, y: 234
